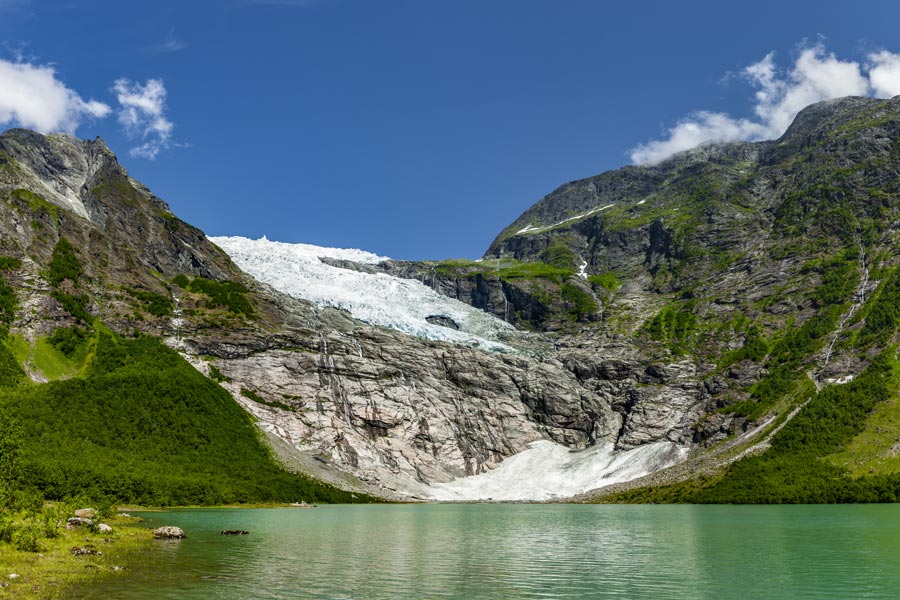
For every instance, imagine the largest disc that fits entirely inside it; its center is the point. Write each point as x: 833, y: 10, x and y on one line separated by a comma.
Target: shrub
x: 582, y: 302
x: 68, y: 340
x: 155, y: 304
x: 225, y: 294
x: 64, y: 264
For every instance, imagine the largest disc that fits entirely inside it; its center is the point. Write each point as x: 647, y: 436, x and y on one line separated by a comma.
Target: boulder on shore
x: 169, y: 532
x: 86, y: 513
x: 76, y: 522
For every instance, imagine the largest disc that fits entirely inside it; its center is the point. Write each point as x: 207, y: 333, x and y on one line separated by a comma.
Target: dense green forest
x: 140, y: 425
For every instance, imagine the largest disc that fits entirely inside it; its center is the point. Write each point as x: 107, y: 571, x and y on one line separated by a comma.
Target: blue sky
x: 420, y: 128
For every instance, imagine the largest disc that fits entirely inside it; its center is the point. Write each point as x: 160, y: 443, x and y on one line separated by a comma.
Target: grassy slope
x: 142, y: 426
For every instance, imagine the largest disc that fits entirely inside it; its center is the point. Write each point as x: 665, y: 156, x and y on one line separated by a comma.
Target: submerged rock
x: 235, y: 532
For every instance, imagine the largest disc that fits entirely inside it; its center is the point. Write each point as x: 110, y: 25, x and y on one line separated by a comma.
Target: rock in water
x: 234, y: 532
x: 169, y: 532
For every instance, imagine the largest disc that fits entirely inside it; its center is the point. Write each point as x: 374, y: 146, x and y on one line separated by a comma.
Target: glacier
x: 550, y: 471
x: 375, y: 298
x: 544, y: 470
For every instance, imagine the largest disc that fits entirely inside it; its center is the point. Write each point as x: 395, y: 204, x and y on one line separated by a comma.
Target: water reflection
x: 525, y: 551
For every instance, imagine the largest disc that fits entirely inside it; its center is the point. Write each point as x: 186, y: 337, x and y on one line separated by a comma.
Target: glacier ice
x: 547, y: 470
x: 376, y: 298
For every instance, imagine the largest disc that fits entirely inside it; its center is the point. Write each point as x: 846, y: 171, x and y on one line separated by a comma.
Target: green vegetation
x: 47, y: 360
x: 503, y: 268
x: 117, y: 189
x: 534, y: 270
x: 8, y: 300
x: 69, y: 340
x: 9, y: 263
x: 38, y: 205
x: 75, y: 305
x: 52, y: 572
x: 755, y: 349
x: 217, y: 375
x: 229, y: 295
x: 582, y: 304
x: 182, y: 281
x: 802, y: 465
x: 11, y: 372
x: 260, y: 400
x: 875, y: 448
x: 675, y: 326
x: 142, y: 426
x: 155, y: 304
x: 607, y: 281
x: 559, y: 255
x: 882, y: 313
x: 8, y: 303
x: 64, y: 264
x: 787, y: 354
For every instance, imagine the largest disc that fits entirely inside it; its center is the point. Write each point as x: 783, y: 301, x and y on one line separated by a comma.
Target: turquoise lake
x: 523, y: 551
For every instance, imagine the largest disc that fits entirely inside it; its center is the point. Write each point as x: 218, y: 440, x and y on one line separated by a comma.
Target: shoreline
x: 55, y: 572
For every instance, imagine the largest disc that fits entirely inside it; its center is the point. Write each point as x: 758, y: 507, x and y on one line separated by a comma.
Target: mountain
x: 718, y: 327
x: 94, y: 258
x: 736, y: 300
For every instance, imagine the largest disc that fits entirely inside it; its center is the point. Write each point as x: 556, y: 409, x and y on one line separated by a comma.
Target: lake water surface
x: 523, y: 551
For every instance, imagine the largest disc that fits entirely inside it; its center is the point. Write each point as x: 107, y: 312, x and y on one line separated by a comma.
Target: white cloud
x: 699, y: 128
x: 32, y: 96
x: 142, y: 114
x: 815, y: 76
x: 884, y: 74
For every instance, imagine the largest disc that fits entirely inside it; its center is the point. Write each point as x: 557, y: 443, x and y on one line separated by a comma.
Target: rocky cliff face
x: 366, y: 406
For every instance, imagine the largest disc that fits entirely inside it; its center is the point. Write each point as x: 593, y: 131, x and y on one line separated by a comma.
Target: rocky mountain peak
x: 59, y: 167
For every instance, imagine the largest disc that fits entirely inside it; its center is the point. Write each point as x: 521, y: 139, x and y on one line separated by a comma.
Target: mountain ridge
x: 699, y: 301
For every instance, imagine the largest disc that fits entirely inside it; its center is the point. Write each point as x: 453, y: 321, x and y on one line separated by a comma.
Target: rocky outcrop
x: 169, y: 532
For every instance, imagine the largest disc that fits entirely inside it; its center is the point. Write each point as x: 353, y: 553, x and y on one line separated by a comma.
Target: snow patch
x: 376, y: 298
x: 547, y: 471
x: 532, y: 228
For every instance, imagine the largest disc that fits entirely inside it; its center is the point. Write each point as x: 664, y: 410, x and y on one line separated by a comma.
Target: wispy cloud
x: 142, y: 114
x: 816, y: 75
x: 32, y: 96
x: 170, y: 44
